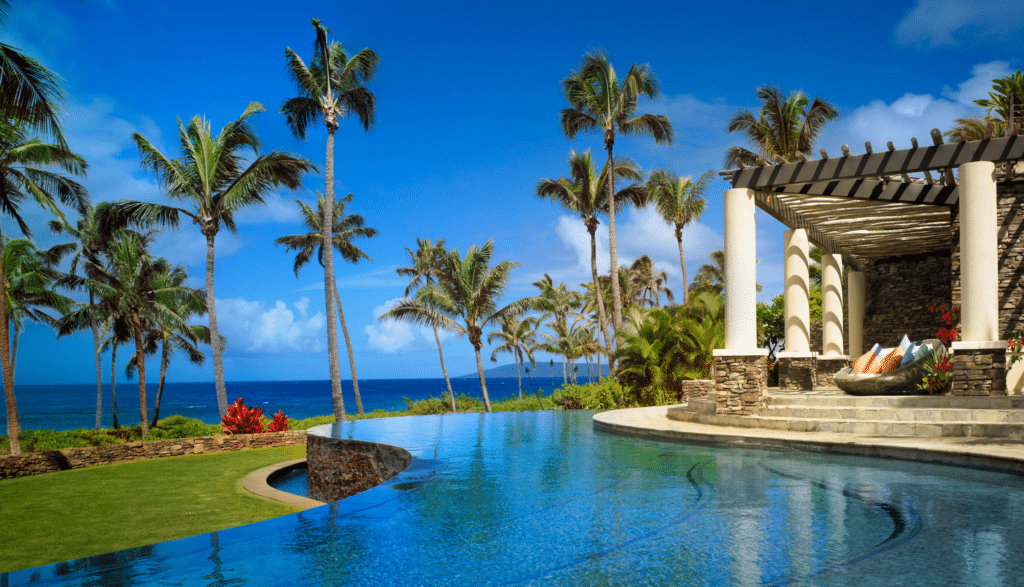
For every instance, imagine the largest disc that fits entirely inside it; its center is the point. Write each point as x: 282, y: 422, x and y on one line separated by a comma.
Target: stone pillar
x: 798, y: 309
x: 740, y: 381
x: 979, y: 360
x: 740, y: 271
x: 832, y: 304
x: 855, y: 285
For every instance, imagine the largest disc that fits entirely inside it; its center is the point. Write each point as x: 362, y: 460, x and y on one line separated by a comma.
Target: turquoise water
x: 540, y: 498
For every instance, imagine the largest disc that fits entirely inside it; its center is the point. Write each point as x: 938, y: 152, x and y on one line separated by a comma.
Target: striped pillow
x: 890, y: 362
x: 876, y: 366
x: 862, y: 364
x: 904, y: 345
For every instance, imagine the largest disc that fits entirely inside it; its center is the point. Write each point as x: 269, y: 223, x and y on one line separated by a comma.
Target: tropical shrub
x: 1015, y: 343
x: 606, y: 395
x: 938, y: 369
x: 950, y: 316
x: 243, y: 419
x: 280, y: 423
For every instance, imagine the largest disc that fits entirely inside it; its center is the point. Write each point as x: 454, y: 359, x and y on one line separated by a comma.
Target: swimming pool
x: 540, y: 498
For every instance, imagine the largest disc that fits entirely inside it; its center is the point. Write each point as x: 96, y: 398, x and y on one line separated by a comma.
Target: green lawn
x: 70, y: 514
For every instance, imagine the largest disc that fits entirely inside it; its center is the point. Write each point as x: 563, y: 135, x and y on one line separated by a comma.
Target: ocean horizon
x: 70, y: 406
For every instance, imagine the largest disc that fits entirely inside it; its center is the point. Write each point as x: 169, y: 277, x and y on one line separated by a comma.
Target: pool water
x: 540, y: 498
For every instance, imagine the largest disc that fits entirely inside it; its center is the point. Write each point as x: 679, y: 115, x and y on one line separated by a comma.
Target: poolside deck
x: 1002, y: 453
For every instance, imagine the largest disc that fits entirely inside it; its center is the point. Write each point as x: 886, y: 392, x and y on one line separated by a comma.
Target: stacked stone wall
x: 797, y: 373
x: 339, y: 468
x: 898, y: 293
x: 697, y: 388
x: 825, y: 370
x: 34, y: 463
x: 979, y: 372
x: 740, y: 384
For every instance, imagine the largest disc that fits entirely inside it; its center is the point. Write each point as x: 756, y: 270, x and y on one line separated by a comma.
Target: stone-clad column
x: 855, y: 284
x: 979, y: 360
x: 832, y: 304
x: 740, y: 271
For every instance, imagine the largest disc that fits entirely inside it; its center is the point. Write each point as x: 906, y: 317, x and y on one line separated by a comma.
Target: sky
x: 467, y: 122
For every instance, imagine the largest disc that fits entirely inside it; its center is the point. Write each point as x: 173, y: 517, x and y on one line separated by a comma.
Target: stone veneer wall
x: 826, y: 370
x: 1010, y: 222
x: 34, y: 463
x: 898, y: 292
x: 340, y: 467
x: 797, y: 373
x: 979, y: 372
x: 740, y: 384
x: 695, y: 388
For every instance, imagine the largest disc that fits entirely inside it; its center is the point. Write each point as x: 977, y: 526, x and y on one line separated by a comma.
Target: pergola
x: 863, y: 207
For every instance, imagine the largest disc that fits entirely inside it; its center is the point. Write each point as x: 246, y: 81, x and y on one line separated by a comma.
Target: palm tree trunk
x: 351, y: 356
x: 113, y: 383
x: 140, y: 363
x: 483, y: 382
x: 329, y: 286
x: 682, y: 264
x: 13, y: 422
x: 99, y: 366
x: 519, y: 378
x: 612, y: 247
x: 451, y: 394
x: 602, y: 316
x: 211, y: 309
x: 165, y: 359
x: 15, y: 334
x: 565, y: 375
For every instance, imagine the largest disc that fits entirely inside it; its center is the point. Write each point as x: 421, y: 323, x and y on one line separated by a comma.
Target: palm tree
x: 680, y: 202
x: 464, y: 300
x: 24, y: 175
x: 91, y: 244
x: 330, y: 89
x: 31, y: 276
x: 711, y: 276
x: 557, y: 303
x: 584, y: 193
x: 650, y: 281
x: 518, y: 338
x: 168, y: 333
x: 1004, y: 103
x: 427, y: 260
x: 598, y: 101
x: 212, y: 177
x: 782, y: 127
x: 345, y: 229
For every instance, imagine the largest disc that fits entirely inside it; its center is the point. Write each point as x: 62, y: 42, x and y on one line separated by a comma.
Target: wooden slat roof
x: 868, y: 206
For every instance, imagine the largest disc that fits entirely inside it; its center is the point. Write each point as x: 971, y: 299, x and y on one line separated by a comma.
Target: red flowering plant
x: 950, y: 316
x: 938, y: 372
x: 280, y: 423
x: 1015, y: 343
x: 242, y: 419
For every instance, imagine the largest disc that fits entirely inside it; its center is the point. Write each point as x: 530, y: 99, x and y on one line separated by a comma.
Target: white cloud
x: 392, y: 337
x: 254, y: 327
x: 934, y: 23
x: 278, y: 209
x: 979, y: 84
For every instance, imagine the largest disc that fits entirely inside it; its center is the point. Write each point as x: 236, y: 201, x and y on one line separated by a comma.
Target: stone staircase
x: 836, y: 412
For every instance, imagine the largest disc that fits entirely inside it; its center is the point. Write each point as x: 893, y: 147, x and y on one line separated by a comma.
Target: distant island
x: 543, y: 371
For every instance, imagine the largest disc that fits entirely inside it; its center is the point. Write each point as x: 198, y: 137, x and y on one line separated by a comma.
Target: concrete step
x: 896, y: 414
x: 1015, y: 402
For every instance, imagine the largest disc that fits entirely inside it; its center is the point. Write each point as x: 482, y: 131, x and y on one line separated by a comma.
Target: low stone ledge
x: 34, y: 463
x: 697, y: 388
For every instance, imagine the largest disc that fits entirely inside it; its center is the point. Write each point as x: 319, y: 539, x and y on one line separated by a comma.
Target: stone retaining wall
x: 825, y: 370
x: 979, y: 372
x: 797, y: 373
x: 340, y: 467
x: 740, y: 384
x: 695, y: 388
x: 34, y: 463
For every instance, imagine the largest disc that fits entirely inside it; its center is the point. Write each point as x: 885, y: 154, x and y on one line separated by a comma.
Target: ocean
x: 71, y: 406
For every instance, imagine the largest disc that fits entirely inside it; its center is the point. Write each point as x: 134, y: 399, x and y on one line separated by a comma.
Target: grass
x: 82, y: 512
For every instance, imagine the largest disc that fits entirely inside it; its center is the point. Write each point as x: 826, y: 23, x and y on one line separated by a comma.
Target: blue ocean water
x: 71, y: 406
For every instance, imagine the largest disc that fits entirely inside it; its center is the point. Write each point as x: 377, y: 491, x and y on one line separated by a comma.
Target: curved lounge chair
x: 902, y: 381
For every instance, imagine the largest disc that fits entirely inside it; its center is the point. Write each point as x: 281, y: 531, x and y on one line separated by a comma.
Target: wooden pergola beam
x: 775, y: 208
x: 865, y: 189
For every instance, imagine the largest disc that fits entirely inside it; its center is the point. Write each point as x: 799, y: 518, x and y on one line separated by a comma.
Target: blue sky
x: 467, y: 122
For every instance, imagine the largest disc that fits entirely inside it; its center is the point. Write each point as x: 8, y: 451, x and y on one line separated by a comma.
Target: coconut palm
x: 679, y: 201
x: 599, y: 101
x: 26, y: 174
x: 167, y: 334
x: 518, y: 337
x: 330, y: 89
x: 213, y: 177
x: 345, y: 229
x: 1004, y: 103
x: 30, y: 94
x: 31, y: 278
x: 91, y: 243
x: 584, y: 192
x: 427, y: 260
x: 650, y: 281
x: 556, y: 303
x: 783, y: 126
x: 464, y: 300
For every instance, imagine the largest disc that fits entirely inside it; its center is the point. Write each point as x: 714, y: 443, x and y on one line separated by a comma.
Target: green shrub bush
x: 605, y: 395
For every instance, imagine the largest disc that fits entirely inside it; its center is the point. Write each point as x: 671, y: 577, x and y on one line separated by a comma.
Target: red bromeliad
x: 242, y: 419
x: 280, y: 423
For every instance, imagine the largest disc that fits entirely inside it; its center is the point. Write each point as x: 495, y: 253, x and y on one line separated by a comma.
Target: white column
x: 832, y: 304
x: 855, y: 285
x: 798, y: 308
x: 740, y: 271
x: 979, y: 268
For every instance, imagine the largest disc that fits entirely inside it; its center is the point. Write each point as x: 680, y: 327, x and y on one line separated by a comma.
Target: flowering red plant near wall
x: 242, y: 419
x: 280, y: 423
x: 950, y: 315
